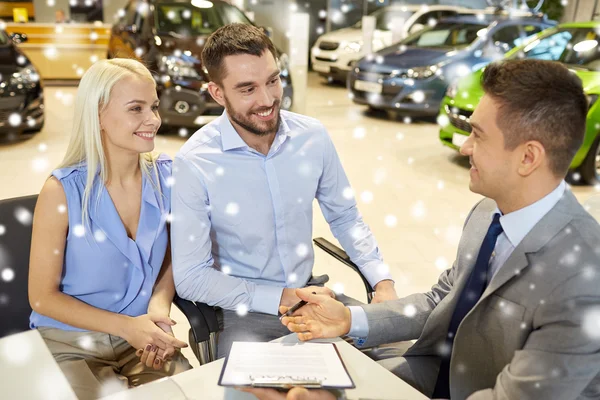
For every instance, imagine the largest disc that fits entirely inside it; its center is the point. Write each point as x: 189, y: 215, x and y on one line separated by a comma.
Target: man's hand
x: 297, y: 393
x: 289, y: 297
x: 322, y: 317
x: 384, y: 291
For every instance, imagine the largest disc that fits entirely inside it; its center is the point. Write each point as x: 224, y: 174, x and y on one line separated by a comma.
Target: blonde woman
x: 100, y: 277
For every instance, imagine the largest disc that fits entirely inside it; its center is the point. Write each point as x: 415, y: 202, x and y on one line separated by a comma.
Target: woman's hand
x: 155, y: 356
x: 142, y: 331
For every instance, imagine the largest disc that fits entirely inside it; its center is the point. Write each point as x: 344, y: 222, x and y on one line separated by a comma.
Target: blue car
x: 412, y: 76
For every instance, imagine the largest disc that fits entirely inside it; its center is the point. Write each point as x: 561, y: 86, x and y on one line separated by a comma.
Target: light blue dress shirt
x: 103, y: 266
x: 242, y: 221
x: 516, y: 225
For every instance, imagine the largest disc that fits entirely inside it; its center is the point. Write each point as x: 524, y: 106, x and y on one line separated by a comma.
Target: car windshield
x: 187, y: 19
x: 576, y: 47
x: 446, y: 35
x: 384, y: 18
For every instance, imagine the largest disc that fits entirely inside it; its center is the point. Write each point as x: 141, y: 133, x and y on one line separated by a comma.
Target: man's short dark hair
x: 542, y: 101
x: 231, y: 40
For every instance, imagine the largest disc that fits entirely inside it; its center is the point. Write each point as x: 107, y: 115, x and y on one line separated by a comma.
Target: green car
x: 577, y: 45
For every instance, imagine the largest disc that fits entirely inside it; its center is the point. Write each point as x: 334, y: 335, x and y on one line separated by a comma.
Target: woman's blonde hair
x: 85, y: 145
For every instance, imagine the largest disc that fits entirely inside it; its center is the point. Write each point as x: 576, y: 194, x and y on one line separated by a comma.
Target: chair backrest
x: 16, y: 216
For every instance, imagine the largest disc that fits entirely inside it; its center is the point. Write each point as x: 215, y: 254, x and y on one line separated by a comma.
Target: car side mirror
x: 18, y: 37
x: 267, y: 30
x: 129, y: 28
x: 416, y: 28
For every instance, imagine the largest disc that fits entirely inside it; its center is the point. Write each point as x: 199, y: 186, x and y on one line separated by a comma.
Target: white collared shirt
x: 517, y: 224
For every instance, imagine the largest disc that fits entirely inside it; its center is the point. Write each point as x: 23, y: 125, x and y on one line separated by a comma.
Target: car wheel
x: 590, y: 168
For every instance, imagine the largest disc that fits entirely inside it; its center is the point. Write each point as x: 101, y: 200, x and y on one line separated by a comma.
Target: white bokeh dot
x: 8, y: 274
x: 99, y: 236
x: 338, y: 288
x: 292, y: 278
x: 390, y: 221
x: 2, y: 230
x: 441, y: 263
x: 14, y: 119
x: 23, y: 215
x: 232, y: 209
x: 86, y: 342
x: 226, y: 269
x: 418, y: 210
x: 348, y: 193
x: 302, y: 250
x: 359, y: 132
x: 220, y: 171
x: 170, y: 181
x: 409, y: 310
x: 591, y: 323
x: 79, y: 230
x: 366, y: 197
x: 242, y: 310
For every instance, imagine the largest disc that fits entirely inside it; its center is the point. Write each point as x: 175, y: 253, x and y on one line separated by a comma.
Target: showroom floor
x: 411, y: 190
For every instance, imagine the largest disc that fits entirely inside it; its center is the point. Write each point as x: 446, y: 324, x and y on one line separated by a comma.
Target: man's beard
x: 246, y: 122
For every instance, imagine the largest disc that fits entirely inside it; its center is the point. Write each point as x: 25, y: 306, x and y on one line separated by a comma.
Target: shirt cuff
x: 266, y: 299
x: 375, y: 272
x: 359, y: 327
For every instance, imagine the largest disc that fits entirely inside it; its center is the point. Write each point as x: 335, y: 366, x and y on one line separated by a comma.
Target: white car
x: 334, y: 53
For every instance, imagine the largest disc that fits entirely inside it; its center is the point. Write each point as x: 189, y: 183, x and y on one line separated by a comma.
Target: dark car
x: 168, y: 36
x: 21, y: 92
x: 412, y: 76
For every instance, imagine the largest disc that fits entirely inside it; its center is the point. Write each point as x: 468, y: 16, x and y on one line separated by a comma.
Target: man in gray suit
x: 517, y: 315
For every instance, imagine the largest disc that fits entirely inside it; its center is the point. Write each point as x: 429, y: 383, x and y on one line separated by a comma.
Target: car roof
x: 182, y: 1
x: 489, y: 18
x: 417, y: 7
x: 586, y: 24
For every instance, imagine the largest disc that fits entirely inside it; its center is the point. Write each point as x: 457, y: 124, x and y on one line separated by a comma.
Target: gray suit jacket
x: 535, y: 332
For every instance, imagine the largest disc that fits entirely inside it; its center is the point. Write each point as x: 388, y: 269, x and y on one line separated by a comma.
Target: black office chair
x: 203, y: 332
x: 16, y: 216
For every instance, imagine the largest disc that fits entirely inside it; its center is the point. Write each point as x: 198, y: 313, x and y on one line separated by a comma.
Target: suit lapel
x: 536, y: 239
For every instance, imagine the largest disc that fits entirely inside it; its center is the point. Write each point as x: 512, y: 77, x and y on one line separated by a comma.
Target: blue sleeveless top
x: 102, y: 266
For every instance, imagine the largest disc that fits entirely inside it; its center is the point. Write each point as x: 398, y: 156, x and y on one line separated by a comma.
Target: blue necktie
x: 468, y: 298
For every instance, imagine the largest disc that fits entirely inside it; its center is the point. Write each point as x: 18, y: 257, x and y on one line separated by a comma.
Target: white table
x: 373, y: 382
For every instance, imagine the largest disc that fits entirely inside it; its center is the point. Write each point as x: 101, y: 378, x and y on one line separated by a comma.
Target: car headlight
x: 353, y: 47
x: 25, y: 76
x: 284, y: 64
x: 422, y: 72
x: 178, y: 66
x: 591, y: 98
x: 452, y: 90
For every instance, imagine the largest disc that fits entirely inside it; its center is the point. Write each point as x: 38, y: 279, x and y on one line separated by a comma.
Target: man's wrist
x: 386, y: 284
x: 347, y: 320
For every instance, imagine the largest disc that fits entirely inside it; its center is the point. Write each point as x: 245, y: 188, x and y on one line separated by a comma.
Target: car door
x: 123, y: 31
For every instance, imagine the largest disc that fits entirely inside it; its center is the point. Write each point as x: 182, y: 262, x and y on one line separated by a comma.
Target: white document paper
x: 281, y: 364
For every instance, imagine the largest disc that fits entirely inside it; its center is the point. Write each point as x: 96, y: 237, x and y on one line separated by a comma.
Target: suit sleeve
x: 404, y: 319
x: 562, y: 354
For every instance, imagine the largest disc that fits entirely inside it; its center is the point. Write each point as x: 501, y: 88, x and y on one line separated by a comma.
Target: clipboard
x: 285, y: 365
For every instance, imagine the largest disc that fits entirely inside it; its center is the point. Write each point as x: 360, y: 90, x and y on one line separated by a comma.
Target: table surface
x: 373, y: 382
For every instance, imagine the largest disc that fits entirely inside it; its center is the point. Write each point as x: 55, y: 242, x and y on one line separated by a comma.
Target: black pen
x: 294, y: 308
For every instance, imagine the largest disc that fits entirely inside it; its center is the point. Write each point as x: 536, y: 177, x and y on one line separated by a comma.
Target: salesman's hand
x: 384, y: 291
x: 322, y: 317
x: 289, y: 297
x: 297, y: 393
